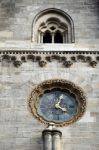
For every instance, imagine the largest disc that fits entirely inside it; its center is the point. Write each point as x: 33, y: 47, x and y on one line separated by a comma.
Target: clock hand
x: 60, y: 98
x: 64, y: 109
x: 58, y: 106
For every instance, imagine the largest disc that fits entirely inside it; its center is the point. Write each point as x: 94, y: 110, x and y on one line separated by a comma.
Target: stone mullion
x: 53, y: 34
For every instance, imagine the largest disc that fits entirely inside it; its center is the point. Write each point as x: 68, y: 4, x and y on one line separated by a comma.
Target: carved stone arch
x: 54, y: 16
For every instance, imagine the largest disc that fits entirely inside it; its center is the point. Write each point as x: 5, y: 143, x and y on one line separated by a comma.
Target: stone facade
x: 16, y: 18
x: 19, y: 130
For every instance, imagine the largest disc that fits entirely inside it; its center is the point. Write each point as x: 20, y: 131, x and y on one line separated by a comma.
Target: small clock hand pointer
x: 60, y: 98
x: 63, y: 109
x: 59, y: 107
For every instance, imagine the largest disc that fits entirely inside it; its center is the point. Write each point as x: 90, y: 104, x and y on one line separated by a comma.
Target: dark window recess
x: 52, y: 28
x: 58, y: 38
x: 47, y: 38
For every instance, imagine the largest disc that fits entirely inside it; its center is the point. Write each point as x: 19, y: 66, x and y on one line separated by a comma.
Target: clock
x: 57, y: 101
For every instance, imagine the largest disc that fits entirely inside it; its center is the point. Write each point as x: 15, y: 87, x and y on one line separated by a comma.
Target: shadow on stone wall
x: 8, y: 6
x: 7, y: 10
x: 97, y: 9
x: 93, y: 5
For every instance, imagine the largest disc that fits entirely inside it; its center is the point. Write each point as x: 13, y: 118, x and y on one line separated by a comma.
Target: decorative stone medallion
x: 57, y: 102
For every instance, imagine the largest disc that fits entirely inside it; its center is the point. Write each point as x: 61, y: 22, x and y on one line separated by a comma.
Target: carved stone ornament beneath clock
x: 57, y: 102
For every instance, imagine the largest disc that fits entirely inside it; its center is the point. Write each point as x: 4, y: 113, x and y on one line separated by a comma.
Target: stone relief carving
x: 62, y: 84
x: 67, y: 59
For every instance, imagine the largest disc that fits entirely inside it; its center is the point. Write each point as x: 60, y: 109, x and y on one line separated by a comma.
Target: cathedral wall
x: 16, y: 18
x: 19, y: 130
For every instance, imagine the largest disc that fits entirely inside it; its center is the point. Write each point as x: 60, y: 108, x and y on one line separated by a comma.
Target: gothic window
x: 58, y: 37
x: 47, y: 38
x: 53, y: 26
x: 52, y: 33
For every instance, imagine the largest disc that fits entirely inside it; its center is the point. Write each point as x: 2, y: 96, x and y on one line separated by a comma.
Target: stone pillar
x: 51, y: 139
x: 47, y: 139
x: 56, y: 140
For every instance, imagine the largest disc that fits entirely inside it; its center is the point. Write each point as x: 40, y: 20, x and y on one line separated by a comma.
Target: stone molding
x: 52, y: 132
x: 66, y: 58
x: 64, y: 85
x: 30, y: 51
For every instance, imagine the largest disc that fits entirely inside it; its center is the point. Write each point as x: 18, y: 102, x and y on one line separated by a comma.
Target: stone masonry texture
x: 19, y: 130
x: 16, y: 18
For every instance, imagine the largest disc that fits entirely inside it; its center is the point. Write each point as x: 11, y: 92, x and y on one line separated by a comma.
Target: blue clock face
x: 57, y: 106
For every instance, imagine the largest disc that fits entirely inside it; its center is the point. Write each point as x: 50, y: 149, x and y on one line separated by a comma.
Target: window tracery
x: 53, y: 26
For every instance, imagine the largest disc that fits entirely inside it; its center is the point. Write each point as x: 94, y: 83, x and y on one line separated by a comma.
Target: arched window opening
x: 47, y: 38
x: 53, y: 26
x: 58, y: 37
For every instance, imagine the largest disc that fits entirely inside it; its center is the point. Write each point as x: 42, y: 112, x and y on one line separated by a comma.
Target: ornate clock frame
x: 61, y: 84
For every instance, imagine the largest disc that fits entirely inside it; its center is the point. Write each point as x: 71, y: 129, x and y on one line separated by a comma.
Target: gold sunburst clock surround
x: 57, y: 101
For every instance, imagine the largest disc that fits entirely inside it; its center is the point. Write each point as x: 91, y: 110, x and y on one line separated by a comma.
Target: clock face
x: 57, y: 106
x: 57, y: 101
